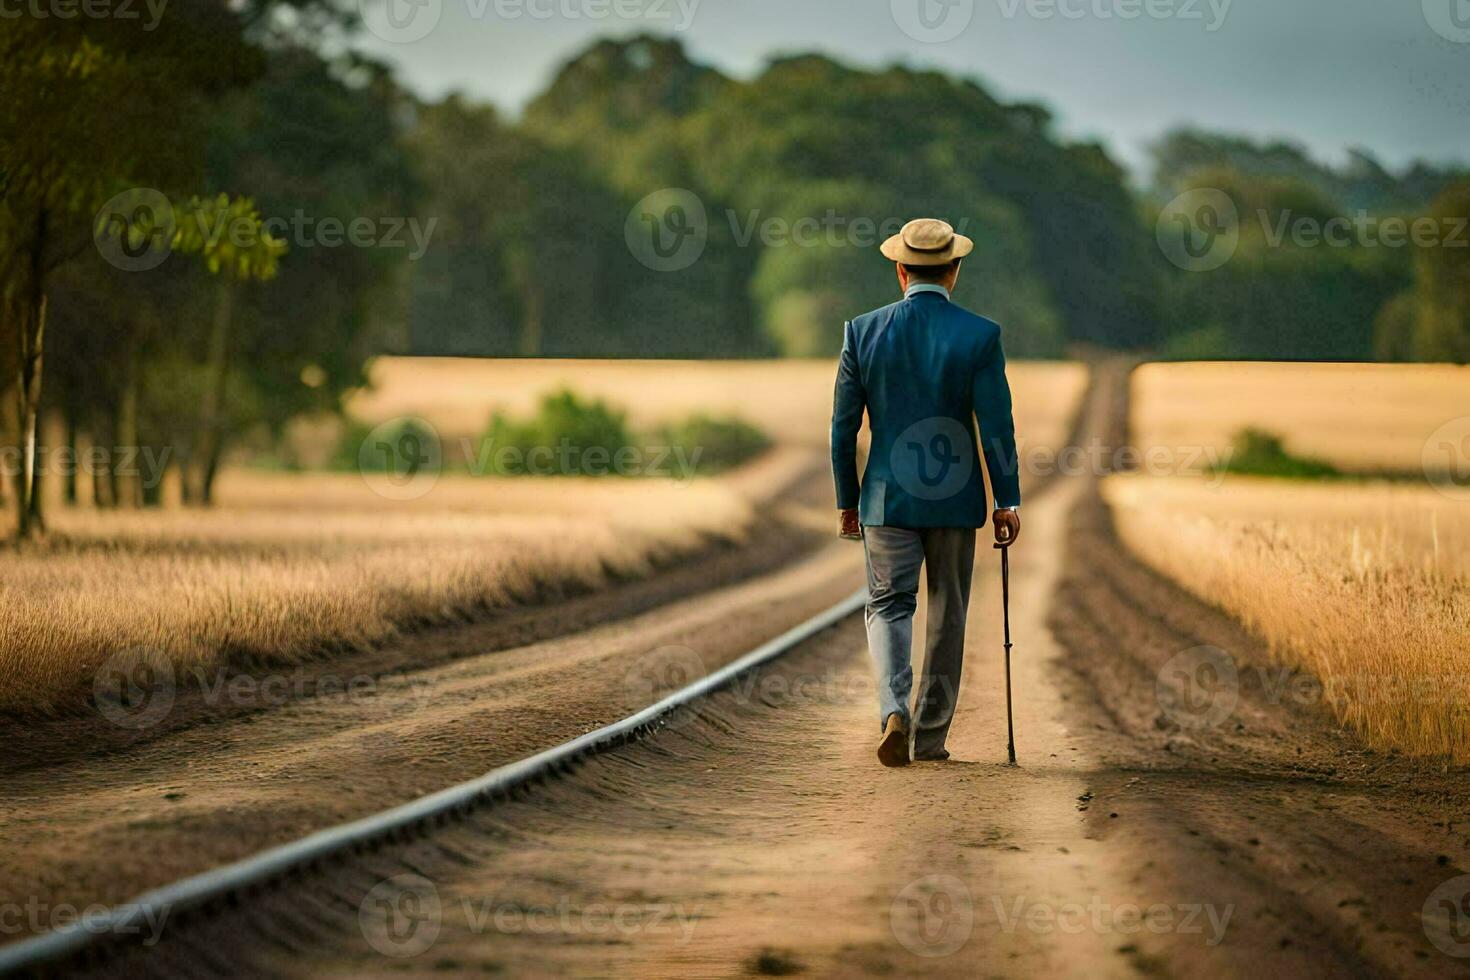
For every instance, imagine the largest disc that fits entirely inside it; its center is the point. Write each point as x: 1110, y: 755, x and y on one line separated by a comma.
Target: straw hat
x: 927, y: 241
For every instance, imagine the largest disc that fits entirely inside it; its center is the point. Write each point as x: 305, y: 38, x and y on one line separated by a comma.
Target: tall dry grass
x: 289, y: 565
x: 1371, y: 418
x: 1367, y: 587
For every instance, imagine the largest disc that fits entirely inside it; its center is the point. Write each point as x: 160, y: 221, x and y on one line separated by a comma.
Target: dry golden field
x: 286, y: 565
x: 1367, y: 418
x: 1365, y: 586
x: 791, y: 400
x: 289, y: 563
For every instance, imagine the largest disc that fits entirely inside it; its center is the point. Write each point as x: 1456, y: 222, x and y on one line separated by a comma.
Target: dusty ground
x: 760, y: 837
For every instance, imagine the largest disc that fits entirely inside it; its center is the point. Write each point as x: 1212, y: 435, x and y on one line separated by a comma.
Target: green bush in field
x: 583, y: 436
x: 574, y: 436
x: 402, y: 447
x: 344, y: 456
x: 1261, y: 453
x: 721, y: 442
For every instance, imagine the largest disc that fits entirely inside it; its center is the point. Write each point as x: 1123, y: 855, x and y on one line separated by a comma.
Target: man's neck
x: 925, y: 287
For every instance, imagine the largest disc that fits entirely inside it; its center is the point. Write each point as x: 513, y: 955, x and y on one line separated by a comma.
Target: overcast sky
x: 1390, y: 75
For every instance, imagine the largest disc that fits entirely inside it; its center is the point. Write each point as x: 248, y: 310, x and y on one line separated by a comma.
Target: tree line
x: 202, y: 228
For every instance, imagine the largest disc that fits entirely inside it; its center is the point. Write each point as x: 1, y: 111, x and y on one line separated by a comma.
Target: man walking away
x: 925, y: 370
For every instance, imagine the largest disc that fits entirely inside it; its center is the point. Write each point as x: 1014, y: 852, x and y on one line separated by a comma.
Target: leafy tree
x: 111, y: 96
x: 1364, y: 183
x: 814, y: 140
x: 320, y: 146
x: 1431, y: 320
x: 521, y: 262
x: 1281, y: 296
x: 230, y: 236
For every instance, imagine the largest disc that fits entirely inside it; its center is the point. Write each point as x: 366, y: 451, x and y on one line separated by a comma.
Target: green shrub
x: 572, y: 437
x: 404, y: 445
x: 1257, y: 452
x: 720, y: 442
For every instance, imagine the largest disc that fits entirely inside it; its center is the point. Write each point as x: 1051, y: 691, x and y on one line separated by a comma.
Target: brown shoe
x: 893, y: 748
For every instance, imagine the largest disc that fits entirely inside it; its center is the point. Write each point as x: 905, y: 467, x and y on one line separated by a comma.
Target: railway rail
x: 92, y: 938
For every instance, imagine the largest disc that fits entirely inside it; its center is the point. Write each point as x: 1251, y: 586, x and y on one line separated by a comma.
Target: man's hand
x: 848, y: 526
x: 1007, y: 526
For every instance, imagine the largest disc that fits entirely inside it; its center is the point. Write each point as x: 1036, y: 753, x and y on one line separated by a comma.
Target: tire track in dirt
x: 1326, y: 848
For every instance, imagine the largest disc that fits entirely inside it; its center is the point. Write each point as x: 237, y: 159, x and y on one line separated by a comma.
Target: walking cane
x: 1005, y: 605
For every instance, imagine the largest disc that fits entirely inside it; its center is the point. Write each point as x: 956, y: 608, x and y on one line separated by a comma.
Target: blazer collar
x: 925, y: 287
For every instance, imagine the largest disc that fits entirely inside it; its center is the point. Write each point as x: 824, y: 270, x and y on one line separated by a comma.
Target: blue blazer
x: 925, y: 370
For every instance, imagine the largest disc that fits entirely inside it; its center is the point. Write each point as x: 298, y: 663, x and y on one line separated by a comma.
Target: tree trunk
x: 211, y: 470
x: 204, y: 457
x: 7, y: 427
x: 84, y: 467
x: 70, y: 441
x: 128, y: 486
x: 38, y: 472
x: 101, y: 433
x: 532, y: 341
x: 152, y: 493
x: 532, y: 326
x: 29, y: 519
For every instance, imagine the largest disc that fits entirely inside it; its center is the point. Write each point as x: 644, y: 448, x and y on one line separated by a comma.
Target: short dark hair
x: 931, y: 273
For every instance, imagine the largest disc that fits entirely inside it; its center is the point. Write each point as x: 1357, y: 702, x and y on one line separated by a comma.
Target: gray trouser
x: 895, y: 555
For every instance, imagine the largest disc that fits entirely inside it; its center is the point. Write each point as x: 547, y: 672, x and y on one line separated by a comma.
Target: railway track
x: 91, y: 940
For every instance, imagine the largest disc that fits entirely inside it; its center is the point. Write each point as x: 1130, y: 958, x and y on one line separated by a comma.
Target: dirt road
x: 1157, y: 825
